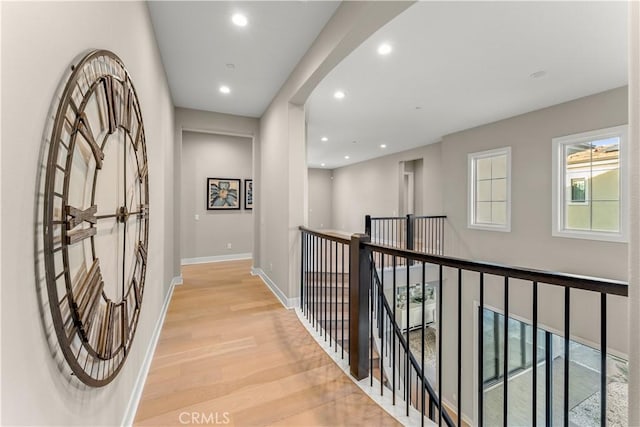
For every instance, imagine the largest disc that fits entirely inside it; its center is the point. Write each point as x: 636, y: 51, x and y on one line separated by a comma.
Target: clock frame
x: 96, y: 217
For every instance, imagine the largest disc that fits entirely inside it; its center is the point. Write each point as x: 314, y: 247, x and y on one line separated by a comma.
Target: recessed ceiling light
x: 338, y: 94
x: 346, y: 157
x: 322, y: 164
x: 324, y: 139
x: 383, y: 145
x: 239, y: 19
x: 384, y: 49
x: 225, y: 89
x: 538, y: 74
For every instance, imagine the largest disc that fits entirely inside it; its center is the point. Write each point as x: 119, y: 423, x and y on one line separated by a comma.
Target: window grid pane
x: 592, y: 191
x: 491, y: 190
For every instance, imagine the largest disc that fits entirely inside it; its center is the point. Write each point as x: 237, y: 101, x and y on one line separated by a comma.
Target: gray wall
x: 205, y: 156
x: 39, y: 41
x: 320, y: 195
x: 220, y: 124
x: 530, y: 243
x: 283, y: 170
x: 372, y: 187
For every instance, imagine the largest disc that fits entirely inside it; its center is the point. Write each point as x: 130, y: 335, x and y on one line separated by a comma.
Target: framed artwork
x: 223, y: 193
x: 248, y: 194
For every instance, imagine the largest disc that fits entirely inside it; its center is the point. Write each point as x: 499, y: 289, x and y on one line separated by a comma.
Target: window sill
x: 489, y: 227
x: 591, y: 235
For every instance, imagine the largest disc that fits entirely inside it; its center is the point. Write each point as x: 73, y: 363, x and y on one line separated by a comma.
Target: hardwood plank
x: 229, y: 351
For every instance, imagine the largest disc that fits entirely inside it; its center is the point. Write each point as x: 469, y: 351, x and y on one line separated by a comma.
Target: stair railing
x: 345, y: 287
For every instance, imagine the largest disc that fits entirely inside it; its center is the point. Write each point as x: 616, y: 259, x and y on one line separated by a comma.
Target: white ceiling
x: 463, y: 64
x: 197, y: 40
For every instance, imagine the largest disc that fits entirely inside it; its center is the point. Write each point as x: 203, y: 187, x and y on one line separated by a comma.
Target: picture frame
x: 248, y: 194
x: 223, y: 194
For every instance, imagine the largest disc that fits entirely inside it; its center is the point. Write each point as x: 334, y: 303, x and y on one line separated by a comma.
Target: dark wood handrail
x: 386, y: 218
x: 324, y: 235
x: 378, y: 218
x: 575, y: 281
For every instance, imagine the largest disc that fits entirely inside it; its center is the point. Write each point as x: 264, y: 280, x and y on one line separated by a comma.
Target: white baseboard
x: 136, y: 394
x: 287, y: 303
x: 397, y: 411
x: 216, y: 258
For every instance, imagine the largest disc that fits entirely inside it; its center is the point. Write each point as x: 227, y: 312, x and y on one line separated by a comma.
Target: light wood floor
x: 230, y: 352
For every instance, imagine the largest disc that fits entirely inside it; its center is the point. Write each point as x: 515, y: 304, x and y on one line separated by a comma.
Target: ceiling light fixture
x: 322, y: 164
x: 324, y: 139
x: 346, y: 157
x: 383, y: 145
x: 225, y: 89
x: 384, y: 49
x: 338, y: 94
x: 239, y: 19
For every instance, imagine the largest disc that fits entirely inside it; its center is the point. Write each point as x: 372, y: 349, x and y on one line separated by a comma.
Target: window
x: 585, y: 371
x: 589, y: 185
x: 490, y: 190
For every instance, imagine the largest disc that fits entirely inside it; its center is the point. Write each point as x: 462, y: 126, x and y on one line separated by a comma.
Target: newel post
x: 359, y: 282
x: 410, y: 231
x: 367, y: 225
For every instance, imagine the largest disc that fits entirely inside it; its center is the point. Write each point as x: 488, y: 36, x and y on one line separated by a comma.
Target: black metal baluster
x: 371, y: 303
x: 422, y: 327
x: 335, y: 304
x: 534, y: 357
x: 548, y: 356
x: 348, y: 306
x: 308, y: 277
x: 603, y: 359
x: 406, y: 307
x: 506, y: 353
x: 481, y: 353
x: 440, y: 329
x: 319, y: 286
x: 567, y: 307
x: 393, y: 334
x: 324, y: 287
x: 331, y: 301
x: 382, y: 309
x: 342, y: 245
x: 302, y: 255
x: 459, y: 346
x: 315, y: 281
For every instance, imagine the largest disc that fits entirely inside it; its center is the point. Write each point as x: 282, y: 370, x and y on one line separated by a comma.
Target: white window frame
x: 558, y: 185
x: 471, y: 190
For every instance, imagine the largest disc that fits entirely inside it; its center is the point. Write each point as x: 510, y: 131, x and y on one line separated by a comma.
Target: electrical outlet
x: 228, y: 245
x: 270, y: 266
x: 197, y: 217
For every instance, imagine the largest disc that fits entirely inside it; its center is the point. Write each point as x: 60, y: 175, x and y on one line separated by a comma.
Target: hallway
x: 229, y: 353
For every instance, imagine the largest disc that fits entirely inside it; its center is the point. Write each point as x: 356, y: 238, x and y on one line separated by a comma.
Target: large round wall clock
x: 96, y: 208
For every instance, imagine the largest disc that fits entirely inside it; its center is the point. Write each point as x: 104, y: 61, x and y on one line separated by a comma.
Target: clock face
x: 96, y: 207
